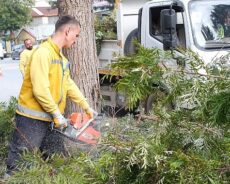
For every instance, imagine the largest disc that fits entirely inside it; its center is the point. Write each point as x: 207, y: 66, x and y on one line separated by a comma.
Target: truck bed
x: 109, y: 50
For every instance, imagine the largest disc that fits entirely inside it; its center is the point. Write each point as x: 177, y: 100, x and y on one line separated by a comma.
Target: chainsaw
x: 80, y: 128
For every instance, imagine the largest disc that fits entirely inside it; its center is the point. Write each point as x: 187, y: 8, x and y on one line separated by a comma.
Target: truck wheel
x: 154, y: 98
x: 129, y: 47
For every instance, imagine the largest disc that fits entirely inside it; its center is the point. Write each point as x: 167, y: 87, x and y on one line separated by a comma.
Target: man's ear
x: 67, y: 31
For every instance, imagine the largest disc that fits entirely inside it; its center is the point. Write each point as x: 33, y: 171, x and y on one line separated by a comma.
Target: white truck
x: 200, y: 25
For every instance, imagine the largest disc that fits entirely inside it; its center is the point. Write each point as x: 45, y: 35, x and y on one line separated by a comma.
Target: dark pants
x: 31, y: 134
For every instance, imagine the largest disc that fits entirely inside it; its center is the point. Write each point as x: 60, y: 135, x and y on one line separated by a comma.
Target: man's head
x: 28, y: 44
x: 69, y: 29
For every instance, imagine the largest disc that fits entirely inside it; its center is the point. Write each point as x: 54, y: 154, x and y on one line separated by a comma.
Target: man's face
x: 71, y: 34
x: 29, y: 44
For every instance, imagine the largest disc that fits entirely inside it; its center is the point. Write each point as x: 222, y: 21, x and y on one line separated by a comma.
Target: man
x: 46, y: 85
x: 25, y: 56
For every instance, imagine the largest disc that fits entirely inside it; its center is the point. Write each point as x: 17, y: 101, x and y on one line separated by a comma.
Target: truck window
x: 210, y: 21
x: 180, y: 30
x: 155, y: 27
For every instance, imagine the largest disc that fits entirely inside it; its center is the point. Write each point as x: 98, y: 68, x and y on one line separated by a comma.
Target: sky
x: 42, y: 3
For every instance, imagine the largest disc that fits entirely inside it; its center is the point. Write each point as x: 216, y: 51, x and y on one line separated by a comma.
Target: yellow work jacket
x: 24, y: 60
x: 47, y: 83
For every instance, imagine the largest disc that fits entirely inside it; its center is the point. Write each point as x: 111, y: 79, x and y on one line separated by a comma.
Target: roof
x: 40, y: 32
x: 44, y: 12
x: 28, y: 31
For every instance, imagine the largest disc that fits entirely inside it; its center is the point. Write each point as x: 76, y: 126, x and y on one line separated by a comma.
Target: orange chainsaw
x: 81, y: 128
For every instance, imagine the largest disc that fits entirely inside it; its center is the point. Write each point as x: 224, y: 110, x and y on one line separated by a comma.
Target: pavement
x: 10, y: 80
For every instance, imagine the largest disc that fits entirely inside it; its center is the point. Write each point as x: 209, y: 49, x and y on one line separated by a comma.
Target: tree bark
x: 82, y: 55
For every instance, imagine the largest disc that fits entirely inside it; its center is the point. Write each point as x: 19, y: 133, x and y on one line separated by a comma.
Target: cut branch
x: 143, y: 117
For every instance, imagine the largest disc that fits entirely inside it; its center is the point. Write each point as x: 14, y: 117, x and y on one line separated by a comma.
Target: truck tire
x: 129, y: 47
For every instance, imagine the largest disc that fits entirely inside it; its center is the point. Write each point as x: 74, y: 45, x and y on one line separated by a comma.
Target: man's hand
x: 91, y: 113
x: 59, y: 120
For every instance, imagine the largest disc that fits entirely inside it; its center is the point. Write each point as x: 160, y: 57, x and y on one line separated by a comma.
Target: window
x: 155, y: 26
x: 210, y: 23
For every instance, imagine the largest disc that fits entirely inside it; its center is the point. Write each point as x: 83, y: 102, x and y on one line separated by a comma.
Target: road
x: 11, y: 80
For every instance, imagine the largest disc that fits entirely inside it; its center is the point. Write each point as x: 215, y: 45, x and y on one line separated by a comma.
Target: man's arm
x: 22, y: 63
x: 39, y: 73
x: 76, y: 96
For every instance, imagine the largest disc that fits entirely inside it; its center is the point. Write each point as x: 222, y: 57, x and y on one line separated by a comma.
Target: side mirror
x: 168, y: 28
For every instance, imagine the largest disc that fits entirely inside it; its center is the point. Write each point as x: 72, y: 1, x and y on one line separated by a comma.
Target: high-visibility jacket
x: 24, y: 60
x: 47, y: 83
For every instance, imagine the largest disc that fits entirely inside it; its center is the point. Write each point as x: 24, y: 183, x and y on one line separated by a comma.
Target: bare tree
x: 82, y: 56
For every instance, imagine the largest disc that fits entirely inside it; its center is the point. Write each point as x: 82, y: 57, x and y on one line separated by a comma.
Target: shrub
x: 7, y: 112
x: 105, y: 29
x: 168, y: 151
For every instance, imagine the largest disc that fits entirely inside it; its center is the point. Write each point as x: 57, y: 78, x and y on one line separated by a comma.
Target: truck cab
x: 200, y: 25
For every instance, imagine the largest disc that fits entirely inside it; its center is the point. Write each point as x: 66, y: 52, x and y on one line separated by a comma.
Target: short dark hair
x: 26, y: 40
x: 66, y: 19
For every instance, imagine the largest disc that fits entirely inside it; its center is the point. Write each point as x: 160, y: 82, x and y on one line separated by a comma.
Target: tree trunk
x: 82, y: 55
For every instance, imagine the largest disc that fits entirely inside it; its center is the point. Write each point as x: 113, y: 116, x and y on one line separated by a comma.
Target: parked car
x: 16, y: 51
x: 1, y: 51
x: 4, y: 53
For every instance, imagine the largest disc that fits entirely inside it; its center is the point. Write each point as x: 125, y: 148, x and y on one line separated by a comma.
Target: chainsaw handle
x: 96, y: 115
x: 62, y: 128
x: 84, y: 127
